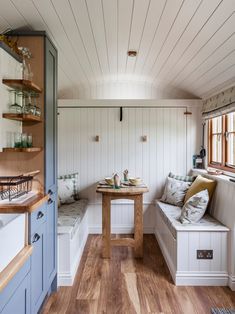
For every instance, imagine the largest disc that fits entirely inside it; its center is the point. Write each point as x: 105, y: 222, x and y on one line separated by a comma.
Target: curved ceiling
x: 186, y: 48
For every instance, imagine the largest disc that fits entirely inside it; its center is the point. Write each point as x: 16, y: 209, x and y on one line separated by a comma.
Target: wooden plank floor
x: 125, y: 285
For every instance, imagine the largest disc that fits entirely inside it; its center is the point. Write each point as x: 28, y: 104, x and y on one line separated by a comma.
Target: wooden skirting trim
x: 14, y: 266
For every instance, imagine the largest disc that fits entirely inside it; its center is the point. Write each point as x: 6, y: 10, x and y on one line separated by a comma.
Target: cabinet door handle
x: 50, y: 201
x: 40, y: 215
x: 50, y: 192
x: 36, y: 237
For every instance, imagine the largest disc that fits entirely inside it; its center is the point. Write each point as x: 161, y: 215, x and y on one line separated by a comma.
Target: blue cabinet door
x: 51, y: 161
x: 38, y: 262
x: 51, y: 241
x: 20, y: 301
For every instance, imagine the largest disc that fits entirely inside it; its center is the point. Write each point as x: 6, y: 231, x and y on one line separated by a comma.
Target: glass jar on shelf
x: 28, y: 107
x: 15, y: 107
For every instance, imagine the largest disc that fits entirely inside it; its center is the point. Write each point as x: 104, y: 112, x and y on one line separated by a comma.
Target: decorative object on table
x: 97, y: 138
x: 117, y: 181
x: 135, y: 181
x: 200, y: 184
x: 144, y: 138
x: 195, y: 208
x: 27, y: 74
x: 109, y: 180
x: 214, y: 171
x: 15, y: 107
x: 175, y: 191
x: 125, y: 174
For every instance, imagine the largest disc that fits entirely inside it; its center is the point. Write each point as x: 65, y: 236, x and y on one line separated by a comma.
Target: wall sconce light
x: 144, y: 138
x: 97, y: 138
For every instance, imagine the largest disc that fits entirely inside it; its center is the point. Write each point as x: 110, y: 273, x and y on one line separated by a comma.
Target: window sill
x: 221, y: 177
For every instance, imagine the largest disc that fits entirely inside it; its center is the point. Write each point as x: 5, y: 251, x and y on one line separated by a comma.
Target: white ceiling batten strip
x: 197, y: 24
x: 75, y: 51
x: 159, y: 64
x: 230, y: 17
x: 225, y: 45
x: 65, y: 62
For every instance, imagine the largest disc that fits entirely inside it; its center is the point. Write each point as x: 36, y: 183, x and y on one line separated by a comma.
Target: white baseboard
x: 119, y: 229
x: 231, y: 282
x: 205, y: 279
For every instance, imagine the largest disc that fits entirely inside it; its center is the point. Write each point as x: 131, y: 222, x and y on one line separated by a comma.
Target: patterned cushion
x: 195, y: 207
x: 182, y: 178
x: 175, y: 191
x: 170, y: 214
x: 68, y: 188
x: 70, y: 216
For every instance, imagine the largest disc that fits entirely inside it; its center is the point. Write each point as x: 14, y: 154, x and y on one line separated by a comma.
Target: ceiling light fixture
x: 132, y: 53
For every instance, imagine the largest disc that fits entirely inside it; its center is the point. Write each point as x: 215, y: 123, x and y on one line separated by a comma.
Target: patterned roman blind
x: 219, y: 104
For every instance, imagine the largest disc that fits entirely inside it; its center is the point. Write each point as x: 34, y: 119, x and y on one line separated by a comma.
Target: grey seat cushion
x: 70, y: 216
x: 170, y: 214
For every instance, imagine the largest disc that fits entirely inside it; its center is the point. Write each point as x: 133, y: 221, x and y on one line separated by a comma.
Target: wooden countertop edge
x: 27, y: 207
x: 14, y: 266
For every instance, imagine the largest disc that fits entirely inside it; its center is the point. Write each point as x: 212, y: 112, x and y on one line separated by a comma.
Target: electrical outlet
x: 204, y: 254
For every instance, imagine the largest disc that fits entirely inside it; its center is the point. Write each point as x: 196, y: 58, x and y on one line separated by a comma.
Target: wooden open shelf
x: 22, y: 85
x: 22, y: 150
x: 22, y: 117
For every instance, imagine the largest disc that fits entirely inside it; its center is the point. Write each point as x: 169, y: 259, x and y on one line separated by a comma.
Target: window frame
x: 223, y: 165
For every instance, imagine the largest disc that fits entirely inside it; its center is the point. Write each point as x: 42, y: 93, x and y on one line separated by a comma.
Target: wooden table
x: 131, y: 193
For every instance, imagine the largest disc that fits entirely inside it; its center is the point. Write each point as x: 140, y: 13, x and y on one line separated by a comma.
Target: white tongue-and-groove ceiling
x: 186, y: 48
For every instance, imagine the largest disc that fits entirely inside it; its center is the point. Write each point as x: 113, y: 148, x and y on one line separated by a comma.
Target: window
x: 222, y: 142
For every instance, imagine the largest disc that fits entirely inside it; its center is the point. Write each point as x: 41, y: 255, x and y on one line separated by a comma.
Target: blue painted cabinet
x: 51, y: 162
x: 38, y: 262
x: 15, y: 297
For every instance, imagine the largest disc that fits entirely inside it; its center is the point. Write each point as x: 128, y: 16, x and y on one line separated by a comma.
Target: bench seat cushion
x: 70, y: 216
x: 170, y: 214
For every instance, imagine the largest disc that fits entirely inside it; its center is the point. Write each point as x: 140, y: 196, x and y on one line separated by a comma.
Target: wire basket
x: 15, y: 186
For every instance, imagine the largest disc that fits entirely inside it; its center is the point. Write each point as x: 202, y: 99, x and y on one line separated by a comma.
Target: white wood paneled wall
x: 120, y: 147
x: 9, y: 68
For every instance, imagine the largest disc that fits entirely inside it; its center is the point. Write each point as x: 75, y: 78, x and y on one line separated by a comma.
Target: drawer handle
x: 50, y: 192
x: 40, y: 215
x: 36, y: 237
x: 50, y: 201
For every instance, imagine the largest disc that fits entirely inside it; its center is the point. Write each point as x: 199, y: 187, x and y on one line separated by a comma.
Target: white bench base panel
x: 180, y: 255
x: 70, y: 252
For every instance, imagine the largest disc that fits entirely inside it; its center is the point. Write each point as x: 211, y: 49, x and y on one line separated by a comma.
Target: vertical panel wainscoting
x: 120, y: 147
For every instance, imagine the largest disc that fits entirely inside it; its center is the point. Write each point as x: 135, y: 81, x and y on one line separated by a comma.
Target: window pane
x: 231, y: 149
x: 217, y: 125
x: 217, y: 148
x: 231, y: 122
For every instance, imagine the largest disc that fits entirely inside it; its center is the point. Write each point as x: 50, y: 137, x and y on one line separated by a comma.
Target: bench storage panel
x: 180, y: 246
x: 72, y: 237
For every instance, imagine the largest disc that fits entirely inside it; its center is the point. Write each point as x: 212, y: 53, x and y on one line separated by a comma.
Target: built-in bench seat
x: 72, y: 236
x: 180, y: 244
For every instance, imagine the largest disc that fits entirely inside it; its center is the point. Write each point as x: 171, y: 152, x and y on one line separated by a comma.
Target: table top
x: 124, y: 190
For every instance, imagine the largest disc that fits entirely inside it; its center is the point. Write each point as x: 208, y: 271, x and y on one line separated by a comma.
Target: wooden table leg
x: 138, y: 202
x: 106, y: 208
